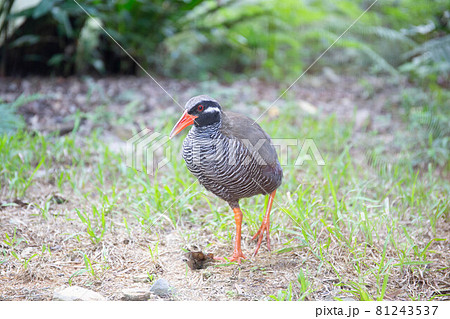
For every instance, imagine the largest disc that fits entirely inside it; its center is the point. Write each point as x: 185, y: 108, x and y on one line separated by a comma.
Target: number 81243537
x: 406, y: 310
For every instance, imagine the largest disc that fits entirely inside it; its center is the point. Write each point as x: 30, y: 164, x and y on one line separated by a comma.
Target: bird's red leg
x: 237, y: 253
x: 265, y: 226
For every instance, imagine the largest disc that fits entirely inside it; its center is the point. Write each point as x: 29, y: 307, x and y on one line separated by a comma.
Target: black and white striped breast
x: 225, y: 166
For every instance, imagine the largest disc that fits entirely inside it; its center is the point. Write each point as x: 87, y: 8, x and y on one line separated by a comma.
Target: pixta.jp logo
x: 147, y: 151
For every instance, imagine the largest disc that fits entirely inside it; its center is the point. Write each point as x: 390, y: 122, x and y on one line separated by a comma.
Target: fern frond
x: 385, y: 34
x: 374, y: 56
x: 438, y: 50
x: 10, y: 121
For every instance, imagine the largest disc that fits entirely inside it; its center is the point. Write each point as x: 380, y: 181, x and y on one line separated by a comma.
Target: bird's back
x: 251, y: 135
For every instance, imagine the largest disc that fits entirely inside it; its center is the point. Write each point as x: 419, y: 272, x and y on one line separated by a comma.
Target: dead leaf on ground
x: 198, y: 259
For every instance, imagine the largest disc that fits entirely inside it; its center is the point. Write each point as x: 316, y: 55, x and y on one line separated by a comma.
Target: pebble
x: 76, y: 293
x: 161, y: 288
x: 136, y: 294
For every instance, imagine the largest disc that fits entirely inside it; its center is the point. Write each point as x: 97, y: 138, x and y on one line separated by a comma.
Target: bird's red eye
x: 200, y: 108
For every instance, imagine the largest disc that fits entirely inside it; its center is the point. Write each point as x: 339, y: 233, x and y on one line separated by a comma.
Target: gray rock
x: 76, y: 293
x: 136, y: 294
x: 161, y: 288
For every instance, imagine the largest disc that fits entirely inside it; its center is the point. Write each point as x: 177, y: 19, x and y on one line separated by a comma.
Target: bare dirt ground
x: 122, y: 259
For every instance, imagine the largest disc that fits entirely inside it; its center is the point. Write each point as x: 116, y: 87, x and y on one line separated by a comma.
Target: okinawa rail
x: 232, y: 157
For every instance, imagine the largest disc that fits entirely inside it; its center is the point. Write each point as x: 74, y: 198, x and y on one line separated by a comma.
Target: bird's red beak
x: 183, y: 122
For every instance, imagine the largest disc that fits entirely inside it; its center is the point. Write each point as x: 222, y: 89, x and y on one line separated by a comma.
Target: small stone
x: 136, y: 294
x: 161, y: 288
x: 76, y: 293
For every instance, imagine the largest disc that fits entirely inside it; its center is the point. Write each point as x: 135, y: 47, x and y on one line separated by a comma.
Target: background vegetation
x: 203, y: 39
x: 370, y: 225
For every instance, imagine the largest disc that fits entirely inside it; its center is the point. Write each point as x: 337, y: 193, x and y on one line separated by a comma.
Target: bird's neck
x: 207, y: 130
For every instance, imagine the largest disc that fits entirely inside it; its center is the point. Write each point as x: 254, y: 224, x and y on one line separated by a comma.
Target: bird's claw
x: 265, y: 227
x: 237, y: 256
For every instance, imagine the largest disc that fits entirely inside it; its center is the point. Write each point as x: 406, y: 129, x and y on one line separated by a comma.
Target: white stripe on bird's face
x: 211, y: 110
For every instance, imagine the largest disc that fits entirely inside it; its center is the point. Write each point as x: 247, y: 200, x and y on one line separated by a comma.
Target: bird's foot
x: 237, y: 256
x: 265, y: 227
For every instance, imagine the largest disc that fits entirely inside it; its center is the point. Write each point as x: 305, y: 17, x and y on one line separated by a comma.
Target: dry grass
x: 335, y: 258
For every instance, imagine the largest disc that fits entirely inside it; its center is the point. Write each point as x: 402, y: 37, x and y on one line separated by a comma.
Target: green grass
x: 366, y: 227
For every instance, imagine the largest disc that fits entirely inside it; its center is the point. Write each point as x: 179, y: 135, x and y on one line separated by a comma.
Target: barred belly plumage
x: 223, y: 165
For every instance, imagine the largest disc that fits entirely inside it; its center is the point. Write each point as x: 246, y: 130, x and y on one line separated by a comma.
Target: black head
x: 206, y: 109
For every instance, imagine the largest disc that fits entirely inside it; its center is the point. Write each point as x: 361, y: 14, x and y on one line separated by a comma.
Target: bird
x: 233, y: 158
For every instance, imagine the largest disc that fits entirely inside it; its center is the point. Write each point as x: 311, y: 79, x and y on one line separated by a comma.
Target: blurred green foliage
x: 10, y: 120
x: 200, y: 39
